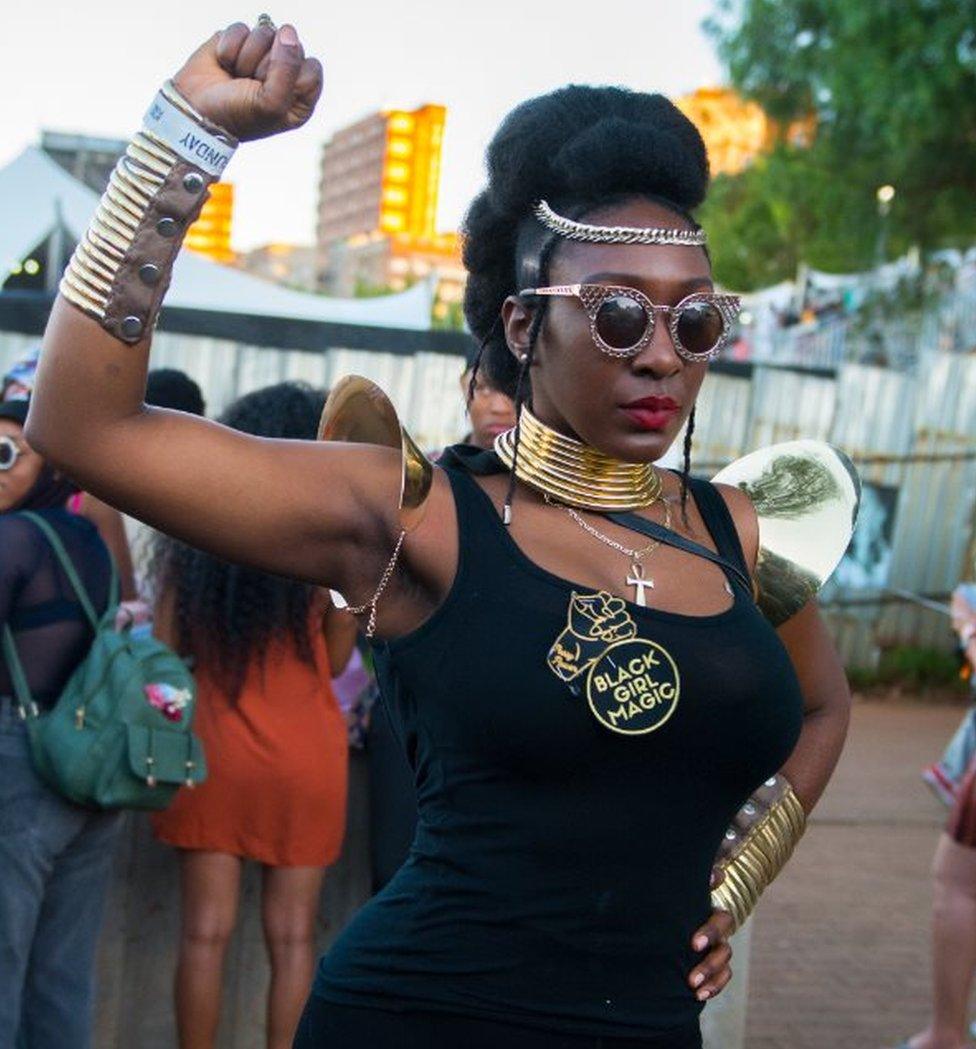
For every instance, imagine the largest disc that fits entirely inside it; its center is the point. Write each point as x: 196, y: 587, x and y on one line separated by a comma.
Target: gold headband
x: 573, y: 230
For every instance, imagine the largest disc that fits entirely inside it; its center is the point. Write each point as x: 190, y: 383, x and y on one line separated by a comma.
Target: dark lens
x: 621, y: 322
x: 700, y: 326
x: 8, y: 453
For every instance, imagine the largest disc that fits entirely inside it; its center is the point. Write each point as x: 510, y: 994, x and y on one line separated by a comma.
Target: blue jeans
x: 55, y: 866
x: 961, y: 748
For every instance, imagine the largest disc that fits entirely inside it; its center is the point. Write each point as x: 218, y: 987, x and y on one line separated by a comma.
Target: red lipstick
x: 652, y: 413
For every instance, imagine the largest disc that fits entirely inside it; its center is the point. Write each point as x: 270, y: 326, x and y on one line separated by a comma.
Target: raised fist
x: 252, y: 82
x: 594, y: 621
x: 600, y: 617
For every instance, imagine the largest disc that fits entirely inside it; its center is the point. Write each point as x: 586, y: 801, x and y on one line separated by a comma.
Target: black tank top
x: 560, y: 868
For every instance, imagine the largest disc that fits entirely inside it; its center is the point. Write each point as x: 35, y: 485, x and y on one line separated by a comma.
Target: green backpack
x: 119, y: 735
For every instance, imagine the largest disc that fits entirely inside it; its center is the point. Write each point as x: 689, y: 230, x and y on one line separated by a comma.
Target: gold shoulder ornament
x: 359, y: 412
x: 806, y: 495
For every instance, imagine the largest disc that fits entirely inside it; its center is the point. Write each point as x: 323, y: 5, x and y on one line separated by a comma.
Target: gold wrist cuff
x: 121, y: 268
x: 92, y: 274
x: 757, y: 847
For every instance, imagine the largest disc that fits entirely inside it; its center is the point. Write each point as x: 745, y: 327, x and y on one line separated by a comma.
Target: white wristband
x: 186, y: 137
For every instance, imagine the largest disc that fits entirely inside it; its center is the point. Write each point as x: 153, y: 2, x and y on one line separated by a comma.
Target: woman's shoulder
x: 78, y: 535
x: 17, y: 530
x: 743, y: 514
x: 22, y: 545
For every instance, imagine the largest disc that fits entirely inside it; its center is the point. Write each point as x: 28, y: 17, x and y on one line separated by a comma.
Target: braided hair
x: 581, y: 149
x: 227, y: 616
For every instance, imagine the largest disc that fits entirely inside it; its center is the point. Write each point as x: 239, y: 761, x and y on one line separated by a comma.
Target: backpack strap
x: 71, y: 572
x: 22, y: 692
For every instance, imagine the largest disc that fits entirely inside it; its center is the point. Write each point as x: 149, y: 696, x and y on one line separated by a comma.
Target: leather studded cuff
x: 757, y: 846
x: 122, y: 267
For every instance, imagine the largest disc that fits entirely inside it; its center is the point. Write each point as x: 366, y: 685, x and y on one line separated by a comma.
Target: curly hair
x: 227, y: 616
x: 581, y: 149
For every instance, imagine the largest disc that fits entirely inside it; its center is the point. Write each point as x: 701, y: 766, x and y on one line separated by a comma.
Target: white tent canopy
x: 35, y: 190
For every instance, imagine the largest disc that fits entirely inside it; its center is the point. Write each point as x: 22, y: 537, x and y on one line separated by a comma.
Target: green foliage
x: 454, y: 319
x: 891, y: 85
x: 365, y: 289
x: 910, y: 668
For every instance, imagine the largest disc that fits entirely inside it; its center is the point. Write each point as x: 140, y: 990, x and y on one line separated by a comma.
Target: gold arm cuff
x: 121, y: 267
x: 143, y: 152
x: 148, y: 181
x: 359, y: 411
x: 760, y: 853
x: 87, y: 275
x: 98, y: 264
x: 100, y: 243
x: 77, y: 297
x: 102, y: 233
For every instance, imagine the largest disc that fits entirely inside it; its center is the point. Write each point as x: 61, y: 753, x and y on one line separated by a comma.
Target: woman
x: 277, y: 754
x: 557, y: 890
x: 55, y: 857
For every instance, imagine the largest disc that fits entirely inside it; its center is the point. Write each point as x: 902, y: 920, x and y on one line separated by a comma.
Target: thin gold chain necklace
x: 573, y: 473
x: 636, y: 578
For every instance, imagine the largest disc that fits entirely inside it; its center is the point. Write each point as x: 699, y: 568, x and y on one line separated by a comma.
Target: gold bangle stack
x: 572, y: 472
x: 760, y: 855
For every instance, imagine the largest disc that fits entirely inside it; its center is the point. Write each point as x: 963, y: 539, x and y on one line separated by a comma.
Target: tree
x: 890, y: 87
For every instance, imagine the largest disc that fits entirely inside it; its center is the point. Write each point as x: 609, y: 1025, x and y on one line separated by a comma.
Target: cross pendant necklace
x: 637, y: 580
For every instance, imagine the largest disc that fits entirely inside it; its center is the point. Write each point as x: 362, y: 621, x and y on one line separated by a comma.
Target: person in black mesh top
x: 55, y: 857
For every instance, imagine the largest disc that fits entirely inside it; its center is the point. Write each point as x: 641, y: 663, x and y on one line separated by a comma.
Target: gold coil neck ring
x: 573, y: 473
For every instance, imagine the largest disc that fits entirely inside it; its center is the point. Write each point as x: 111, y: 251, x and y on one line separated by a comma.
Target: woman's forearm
x: 827, y: 704
x: 815, y: 756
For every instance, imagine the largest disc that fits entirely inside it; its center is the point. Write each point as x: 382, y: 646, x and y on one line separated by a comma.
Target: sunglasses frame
x: 7, y: 441
x: 593, y: 296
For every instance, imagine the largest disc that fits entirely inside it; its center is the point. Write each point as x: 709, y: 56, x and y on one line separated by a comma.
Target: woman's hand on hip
x: 252, y: 82
x: 713, y: 972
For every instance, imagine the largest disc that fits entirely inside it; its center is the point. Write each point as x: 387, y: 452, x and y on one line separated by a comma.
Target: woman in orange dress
x: 276, y: 747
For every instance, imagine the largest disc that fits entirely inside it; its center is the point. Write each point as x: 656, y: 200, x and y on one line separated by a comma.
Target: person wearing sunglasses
x: 55, y: 857
x: 586, y: 711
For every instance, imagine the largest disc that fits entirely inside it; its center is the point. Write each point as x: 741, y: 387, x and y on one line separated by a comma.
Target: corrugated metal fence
x: 913, y: 438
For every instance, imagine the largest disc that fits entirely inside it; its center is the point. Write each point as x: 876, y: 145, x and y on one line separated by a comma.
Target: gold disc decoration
x: 806, y: 494
x: 359, y: 412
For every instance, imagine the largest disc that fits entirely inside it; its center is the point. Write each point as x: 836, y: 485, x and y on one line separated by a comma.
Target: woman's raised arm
x: 297, y: 508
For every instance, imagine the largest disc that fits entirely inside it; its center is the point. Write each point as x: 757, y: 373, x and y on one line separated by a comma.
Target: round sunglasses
x: 622, y: 319
x: 9, y: 453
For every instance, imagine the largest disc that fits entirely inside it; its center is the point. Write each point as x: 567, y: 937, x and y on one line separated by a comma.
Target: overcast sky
x: 93, y: 68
